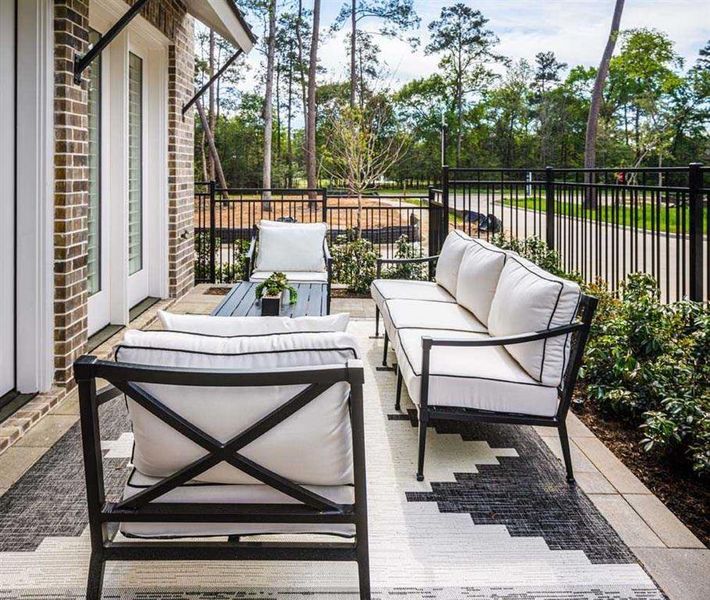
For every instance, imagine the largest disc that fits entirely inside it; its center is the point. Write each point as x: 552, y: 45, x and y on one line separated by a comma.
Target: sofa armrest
x: 422, y: 259
x: 521, y: 338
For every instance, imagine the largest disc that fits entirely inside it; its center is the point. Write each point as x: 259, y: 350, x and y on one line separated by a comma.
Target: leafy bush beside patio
x: 647, y: 363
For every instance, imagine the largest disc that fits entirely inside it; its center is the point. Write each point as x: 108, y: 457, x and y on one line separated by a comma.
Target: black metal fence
x: 225, y: 220
x: 604, y: 223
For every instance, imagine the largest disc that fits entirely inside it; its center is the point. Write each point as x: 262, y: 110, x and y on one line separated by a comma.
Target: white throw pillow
x: 313, y: 446
x: 447, y: 267
x: 291, y: 247
x: 480, y: 270
x: 530, y: 299
x: 251, y: 326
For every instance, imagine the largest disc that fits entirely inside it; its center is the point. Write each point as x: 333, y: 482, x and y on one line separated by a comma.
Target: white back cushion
x: 243, y: 326
x: 313, y: 226
x: 291, y: 247
x: 447, y: 267
x: 313, y: 446
x: 480, y: 270
x: 530, y: 299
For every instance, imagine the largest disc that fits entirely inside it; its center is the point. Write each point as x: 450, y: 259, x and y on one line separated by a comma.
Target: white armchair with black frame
x: 299, y: 250
x: 214, y: 458
x: 495, y: 338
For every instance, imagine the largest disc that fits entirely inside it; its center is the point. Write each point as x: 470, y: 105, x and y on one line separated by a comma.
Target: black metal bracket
x: 214, y: 78
x: 82, y: 62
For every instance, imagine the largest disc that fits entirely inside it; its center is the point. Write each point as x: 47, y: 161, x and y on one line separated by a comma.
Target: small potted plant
x: 271, y: 291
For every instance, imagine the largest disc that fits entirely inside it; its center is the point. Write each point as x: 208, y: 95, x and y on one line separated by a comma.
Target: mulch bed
x: 683, y: 493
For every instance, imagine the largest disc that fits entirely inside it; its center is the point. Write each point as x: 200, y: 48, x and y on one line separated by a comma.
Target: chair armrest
x: 422, y: 259
x: 251, y: 256
x: 521, y: 338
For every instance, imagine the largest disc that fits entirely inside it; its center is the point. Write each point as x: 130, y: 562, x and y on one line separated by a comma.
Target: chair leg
x: 397, y: 402
x: 384, y: 354
x: 377, y: 322
x: 363, y: 564
x: 96, y: 577
x: 422, y: 446
x: 564, y: 442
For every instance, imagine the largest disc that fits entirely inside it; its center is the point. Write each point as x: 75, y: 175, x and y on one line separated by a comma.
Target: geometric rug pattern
x: 494, y: 519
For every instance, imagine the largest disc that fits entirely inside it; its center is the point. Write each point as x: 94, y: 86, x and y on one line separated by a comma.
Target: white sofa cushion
x: 293, y: 276
x: 447, y: 266
x: 480, y: 270
x: 311, y: 447
x: 403, y: 314
x: 530, y: 299
x: 388, y: 289
x: 230, y: 494
x: 243, y: 326
x: 291, y: 247
x: 484, y: 378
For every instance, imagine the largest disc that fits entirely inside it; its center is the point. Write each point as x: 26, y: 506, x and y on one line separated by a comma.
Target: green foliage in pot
x: 275, y: 285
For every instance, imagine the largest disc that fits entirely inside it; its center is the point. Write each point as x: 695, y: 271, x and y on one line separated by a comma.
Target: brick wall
x: 71, y: 171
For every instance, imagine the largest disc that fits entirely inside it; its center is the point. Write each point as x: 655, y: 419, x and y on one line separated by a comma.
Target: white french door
x: 98, y: 282
x: 137, y: 210
x: 7, y: 196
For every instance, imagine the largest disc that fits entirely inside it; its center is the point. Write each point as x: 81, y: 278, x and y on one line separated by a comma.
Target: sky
x: 576, y: 30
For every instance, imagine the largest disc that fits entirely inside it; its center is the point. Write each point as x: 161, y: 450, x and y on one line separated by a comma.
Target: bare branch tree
x: 362, y: 146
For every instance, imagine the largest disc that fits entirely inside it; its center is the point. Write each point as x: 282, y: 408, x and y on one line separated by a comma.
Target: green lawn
x: 655, y: 217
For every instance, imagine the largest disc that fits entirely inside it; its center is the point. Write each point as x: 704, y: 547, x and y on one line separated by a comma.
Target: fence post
x: 444, y: 224
x: 695, y: 206
x: 213, y: 244
x: 434, y: 243
x: 550, y: 207
x: 324, y: 204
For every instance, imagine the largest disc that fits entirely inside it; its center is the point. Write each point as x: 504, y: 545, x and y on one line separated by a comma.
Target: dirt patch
x: 217, y: 291
x: 344, y: 293
x: 686, y: 496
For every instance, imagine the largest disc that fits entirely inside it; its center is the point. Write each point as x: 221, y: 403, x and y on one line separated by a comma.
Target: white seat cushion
x: 312, y: 447
x: 447, y: 266
x: 484, y: 378
x: 388, y: 289
x: 230, y: 494
x: 530, y: 299
x: 480, y: 270
x: 421, y: 314
x: 291, y: 247
x: 243, y: 326
x: 293, y: 276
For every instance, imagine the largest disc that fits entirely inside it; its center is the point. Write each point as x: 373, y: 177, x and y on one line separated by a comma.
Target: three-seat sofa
x: 494, y: 338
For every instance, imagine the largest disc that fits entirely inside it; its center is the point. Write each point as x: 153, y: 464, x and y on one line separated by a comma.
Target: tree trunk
x: 302, y: 77
x: 590, y: 142
x: 353, y: 73
x: 312, y: 68
x: 211, y: 145
x: 268, y: 106
x: 289, y: 118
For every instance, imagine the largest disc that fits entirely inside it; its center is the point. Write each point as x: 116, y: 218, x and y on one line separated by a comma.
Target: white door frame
x: 145, y: 40
x: 7, y: 198
x: 35, y: 214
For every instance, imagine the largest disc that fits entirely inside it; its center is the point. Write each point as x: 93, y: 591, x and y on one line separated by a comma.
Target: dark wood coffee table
x: 241, y: 301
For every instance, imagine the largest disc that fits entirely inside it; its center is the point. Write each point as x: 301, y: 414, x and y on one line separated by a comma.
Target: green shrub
x: 354, y: 262
x: 536, y: 251
x: 405, y: 249
x: 647, y: 363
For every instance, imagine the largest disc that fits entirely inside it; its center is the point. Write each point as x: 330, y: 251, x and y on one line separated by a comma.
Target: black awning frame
x: 214, y: 78
x: 82, y: 62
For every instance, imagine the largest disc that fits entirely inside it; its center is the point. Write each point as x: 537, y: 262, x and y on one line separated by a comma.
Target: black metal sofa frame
x: 105, y: 516
x: 429, y: 414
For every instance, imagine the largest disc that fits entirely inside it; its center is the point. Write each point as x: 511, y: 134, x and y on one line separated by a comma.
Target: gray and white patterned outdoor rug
x: 495, y: 519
